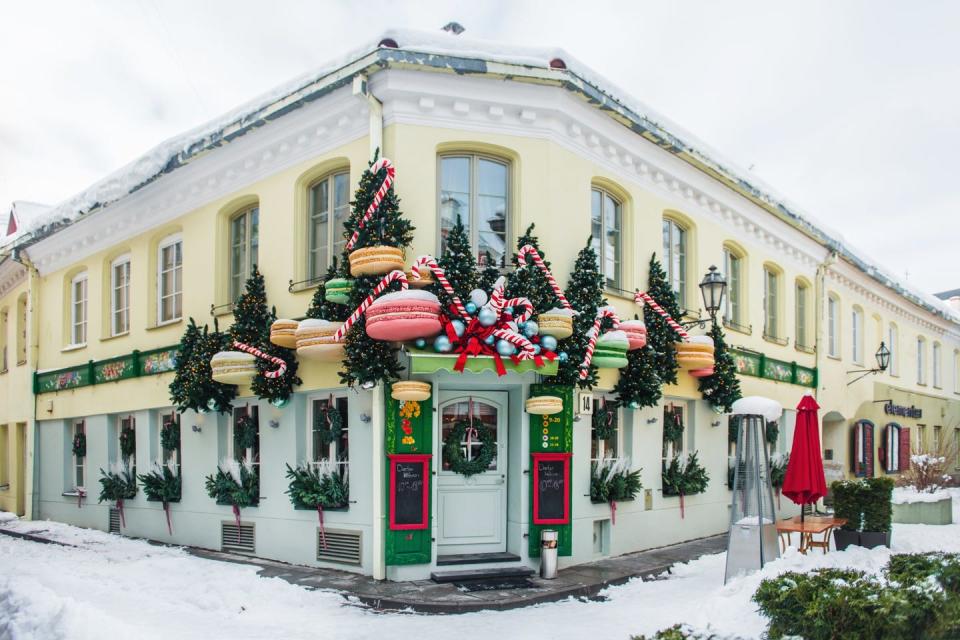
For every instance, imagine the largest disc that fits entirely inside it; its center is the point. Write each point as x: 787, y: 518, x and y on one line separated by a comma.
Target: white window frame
x: 801, y: 299
x: 921, y: 361
x: 833, y: 326
x: 250, y: 257
x: 334, y: 242
x: 168, y: 413
x: 771, y: 303
x: 131, y: 462
x: 249, y: 455
x: 856, y: 329
x: 474, y: 195
x: 600, y: 244
x: 676, y: 266
x: 78, y: 464
x: 602, y: 444
x: 936, y: 361
x: 120, y: 315
x: 937, y: 435
x: 667, y: 451
x: 734, y: 303
x: 893, y: 344
x: 892, y: 446
x: 78, y: 325
x: 333, y: 454
x: 176, y: 294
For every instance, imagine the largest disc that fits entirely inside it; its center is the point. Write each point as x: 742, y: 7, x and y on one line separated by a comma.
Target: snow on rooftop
x: 20, y: 219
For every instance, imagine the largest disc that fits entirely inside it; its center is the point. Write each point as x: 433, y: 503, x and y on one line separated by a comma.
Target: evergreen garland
x: 585, y: 295
x: 193, y: 387
x: 79, y: 447
x: 721, y: 389
x: 369, y: 361
x: 318, y: 486
x: 234, y: 484
x: 321, y: 308
x: 251, y: 326
x: 778, y: 469
x: 117, y: 484
x: 672, y: 425
x: 458, y: 263
x: 639, y: 384
x: 772, y: 432
x: 161, y: 484
x: 660, y: 337
x: 128, y: 442
x: 170, y: 435
x: 604, y: 420
x: 529, y: 281
x: 454, y: 454
x: 684, y: 478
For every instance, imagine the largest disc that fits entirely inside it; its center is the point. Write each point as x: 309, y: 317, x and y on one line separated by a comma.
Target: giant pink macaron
x: 636, y: 332
x: 404, y: 315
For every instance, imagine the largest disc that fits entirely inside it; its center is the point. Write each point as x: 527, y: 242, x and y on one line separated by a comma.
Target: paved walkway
x: 426, y: 596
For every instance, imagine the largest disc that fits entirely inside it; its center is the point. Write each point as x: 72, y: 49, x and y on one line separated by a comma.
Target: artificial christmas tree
x: 321, y: 308
x: 458, y: 263
x: 192, y: 387
x: 529, y: 281
x: 585, y: 294
x: 369, y: 361
x: 251, y: 326
x: 639, y: 383
x: 660, y: 337
x: 721, y: 389
x: 489, y: 273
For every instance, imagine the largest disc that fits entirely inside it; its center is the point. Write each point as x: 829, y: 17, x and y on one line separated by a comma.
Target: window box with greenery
x: 320, y: 486
x: 236, y: 484
x: 163, y: 482
x: 118, y: 484
x: 684, y: 476
x: 612, y: 481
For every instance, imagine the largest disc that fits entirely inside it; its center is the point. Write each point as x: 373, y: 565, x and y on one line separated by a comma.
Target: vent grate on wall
x: 114, y: 520
x: 343, y: 546
x: 237, y: 540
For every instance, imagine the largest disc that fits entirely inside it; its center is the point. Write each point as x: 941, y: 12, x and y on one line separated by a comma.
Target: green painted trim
x: 560, y: 440
x: 759, y: 365
x: 423, y: 363
x: 123, y: 367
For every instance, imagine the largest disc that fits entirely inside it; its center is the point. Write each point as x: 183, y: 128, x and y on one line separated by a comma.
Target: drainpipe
x: 821, y: 305
x: 361, y: 88
x: 377, y: 422
x: 31, y: 475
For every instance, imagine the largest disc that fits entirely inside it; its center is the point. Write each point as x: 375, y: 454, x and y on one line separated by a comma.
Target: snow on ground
x: 106, y: 585
x: 909, y: 495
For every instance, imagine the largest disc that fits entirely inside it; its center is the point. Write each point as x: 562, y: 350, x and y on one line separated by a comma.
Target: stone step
x: 475, y: 558
x: 465, y: 575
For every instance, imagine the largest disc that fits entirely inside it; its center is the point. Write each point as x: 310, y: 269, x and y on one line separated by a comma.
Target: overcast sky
x: 849, y: 109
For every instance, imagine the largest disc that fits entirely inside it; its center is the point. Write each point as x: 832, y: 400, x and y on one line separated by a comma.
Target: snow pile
x: 6, y: 516
x: 910, y: 495
x: 758, y: 406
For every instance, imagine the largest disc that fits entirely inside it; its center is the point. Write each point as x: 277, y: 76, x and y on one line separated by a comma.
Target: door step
x: 466, y: 575
x: 476, y: 558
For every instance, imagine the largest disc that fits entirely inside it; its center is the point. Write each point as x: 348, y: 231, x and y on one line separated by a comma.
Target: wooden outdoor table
x: 807, y: 528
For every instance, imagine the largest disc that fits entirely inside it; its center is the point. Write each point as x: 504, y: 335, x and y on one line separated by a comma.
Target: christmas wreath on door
x: 469, y: 431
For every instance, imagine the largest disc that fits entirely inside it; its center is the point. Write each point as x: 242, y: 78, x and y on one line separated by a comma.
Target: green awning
x: 423, y: 362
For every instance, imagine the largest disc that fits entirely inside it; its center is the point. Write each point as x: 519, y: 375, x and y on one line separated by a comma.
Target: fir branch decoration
x: 245, y: 432
x: 489, y: 273
x: 672, y: 425
x: 613, y: 481
x: 660, y: 337
x: 117, y: 484
x: 170, y: 435
x: 128, y: 442
x: 321, y: 485
x: 772, y: 432
x: 639, y: 384
x: 529, y: 281
x: 458, y: 263
x: 193, y: 388
x: 321, y: 308
x: 235, y: 484
x: 778, y: 469
x: 684, y: 476
x: 79, y: 447
x: 721, y: 389
x: 604, y: 421
x: 161, y: 484
x: 328, y: 424
x: 453, y: 443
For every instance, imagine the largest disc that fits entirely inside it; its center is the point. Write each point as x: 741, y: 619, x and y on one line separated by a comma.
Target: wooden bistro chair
x: 812, y: 542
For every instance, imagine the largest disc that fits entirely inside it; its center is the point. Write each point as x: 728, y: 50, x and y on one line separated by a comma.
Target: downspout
x: 361, y: 88
x: 821, y: 305
x: 31, y: 475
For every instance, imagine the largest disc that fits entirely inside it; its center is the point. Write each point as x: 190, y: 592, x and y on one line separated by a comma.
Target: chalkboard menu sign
x: 551, y: 488
x: 409, y: 491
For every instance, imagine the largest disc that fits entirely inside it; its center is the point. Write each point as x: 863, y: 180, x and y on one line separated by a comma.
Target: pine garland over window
x: 721, y: 389
x: 193, y: 387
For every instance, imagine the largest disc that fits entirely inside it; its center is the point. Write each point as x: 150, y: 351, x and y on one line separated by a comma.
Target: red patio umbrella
x: 804, y: 482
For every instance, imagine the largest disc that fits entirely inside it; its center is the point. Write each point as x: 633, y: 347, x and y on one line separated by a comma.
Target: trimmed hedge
x: 866, y: 504
x: 846, y: 502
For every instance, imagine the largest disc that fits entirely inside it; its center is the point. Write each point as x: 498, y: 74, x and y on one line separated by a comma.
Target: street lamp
x: 883, y: 361
x: 712, y: 288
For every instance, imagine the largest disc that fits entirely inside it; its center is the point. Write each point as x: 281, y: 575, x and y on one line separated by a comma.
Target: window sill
x: 4, y: 487
x: 220, y: 310
x: 3, y: 371
x: 74, y: 494
x: 73, y: 347
x: 802, y: 348
x: 746, y: 330
x: 775, y: 340
x: 306, y: 285
x: 20, y: 363
x: 837, y: 358
x: 167, y: 323
x: 119, y: 335
x: 620, y: 294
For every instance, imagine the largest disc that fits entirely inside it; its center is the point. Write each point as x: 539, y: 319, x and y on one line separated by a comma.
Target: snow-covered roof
x: 20, y: 220
x: 442, y: 50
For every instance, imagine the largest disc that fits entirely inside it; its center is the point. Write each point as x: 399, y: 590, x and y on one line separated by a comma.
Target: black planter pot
x: 872, y: 539
x: 843, y: 538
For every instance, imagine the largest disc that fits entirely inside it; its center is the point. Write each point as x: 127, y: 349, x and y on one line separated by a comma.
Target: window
x: 771, y: 302
x: 476, y: 189
x: 244, y: 241
x: 168, y: 457
x: 893, y: 343
x: 127, y: 428
x: 120, y: 296
x: 78, y: 310
x: 329, y: 209
x: 936, y: 365
x: 3, y: 339
x: 323, y: 449
x: 856, y: 327
x: 863, y: 449
x: 920, y: 446
x: 22, y: 329
x: 937, y: 431
x: 605, y: 225
x: 675, y: 259
x: 605, y: 448
x: 251, y: 454
x: 891, y: 447
x: 956, y: 447
x: 170, y: 279
x: 803, y: 291
x: 833, y: 326
x: 921, y: 361
x: 732, y: 267
x: 79, y: 470
x: 4, y: 457
x: 673, y: 416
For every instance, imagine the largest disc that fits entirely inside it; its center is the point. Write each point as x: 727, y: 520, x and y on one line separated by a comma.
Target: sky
x: 851, y: 110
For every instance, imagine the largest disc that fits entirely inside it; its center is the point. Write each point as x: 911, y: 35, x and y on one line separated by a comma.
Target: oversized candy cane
x: 431, y: 263
x: 594, y: 333
x: 645, y: 297
x: 497, y: 295
x: 378, y: 196
x: 281, y: 365
x: 520, y: 302
x: 525, y: 347
x: 394, y: 276
x: 530, y: 250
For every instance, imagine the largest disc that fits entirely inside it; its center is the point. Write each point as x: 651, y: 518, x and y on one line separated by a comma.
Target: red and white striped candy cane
x: 645, y: 297
x: 431, y: 263
x: 378, y: 196
x: 394, y: 276
x: 594, y: 334
x: 520, y: 302
x: 525, y: 346
x: 528, y: 249
x: 497, y: 295
x: 281, y: 365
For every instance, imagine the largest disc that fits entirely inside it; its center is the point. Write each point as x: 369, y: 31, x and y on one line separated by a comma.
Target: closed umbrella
x: 804, y: 482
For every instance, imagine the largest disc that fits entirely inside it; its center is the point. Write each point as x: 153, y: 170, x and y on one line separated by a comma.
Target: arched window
x: 606, y: 222
x: 862, y: 449
x: 802, y: 309
x: 893, y: 343
x: 833, y: 325
x: 921, y: 360
x: 936, y: 365
x: 895, y: 448
x: 733, y: 269
x: 856, y: 335
x: 244, y: 244
x: 476, y: 188
x: 329, y: 209
x: 771, y: 302
x: 675, y: 258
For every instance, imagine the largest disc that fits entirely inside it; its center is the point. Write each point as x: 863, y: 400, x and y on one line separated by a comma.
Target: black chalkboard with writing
x: 551, y: 500
x: 409, y: 491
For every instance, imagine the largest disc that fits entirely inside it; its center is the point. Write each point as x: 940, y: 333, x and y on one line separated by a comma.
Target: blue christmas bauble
x: 212, y: 404
x: 471, y: 308
x: 508, y: 310
x: 442, y: 344
x: 549, y: 343
x: 537, y: 349
x: 280, y: 403
x: 563, y: 356
x: 487, y: 317
x: 530, y: 328
x: 458, y: 327
x: 490, y: 339
x: 634, y: 405
x: 420, y: 343
x: 504, y: 348
x: 478, y: 297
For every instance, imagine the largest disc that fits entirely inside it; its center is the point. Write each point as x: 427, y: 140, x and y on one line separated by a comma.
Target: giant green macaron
x: 611, y: 351
x: 338, y: 290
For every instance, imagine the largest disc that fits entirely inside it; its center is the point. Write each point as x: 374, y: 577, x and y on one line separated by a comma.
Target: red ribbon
x: 681, y: 505
x: 323, y: 532
x: 166, y: 510
x: 123, y: 522
x: 613, y: 512
x: 236, y: 516
x: 473, y: 343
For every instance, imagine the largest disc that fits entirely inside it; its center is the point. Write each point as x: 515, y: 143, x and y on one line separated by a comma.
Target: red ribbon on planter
x: 323, y: 531
x: 236, y: 516
x: 166, y: 510
x: 123, y: 522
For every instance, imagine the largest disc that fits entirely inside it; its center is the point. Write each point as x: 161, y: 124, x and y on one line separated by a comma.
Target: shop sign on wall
x: 898, y: 410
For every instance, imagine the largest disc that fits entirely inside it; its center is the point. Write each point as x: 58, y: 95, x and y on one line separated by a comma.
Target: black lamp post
x: 712, y: 288
x: 883, y: 361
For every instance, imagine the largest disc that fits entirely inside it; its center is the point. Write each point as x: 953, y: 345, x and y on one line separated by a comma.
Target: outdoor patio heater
x: 752, y: 541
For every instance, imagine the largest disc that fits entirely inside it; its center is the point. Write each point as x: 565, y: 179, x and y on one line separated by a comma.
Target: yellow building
x: 515, y: 138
